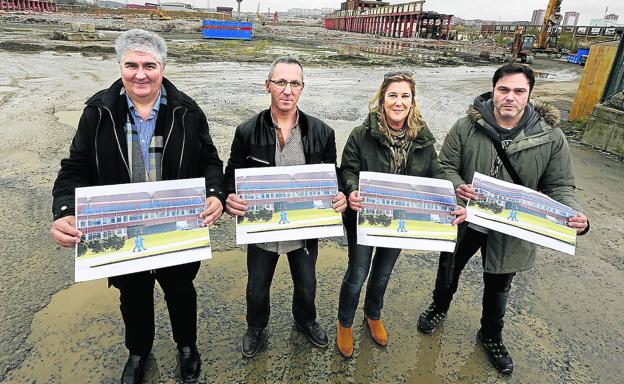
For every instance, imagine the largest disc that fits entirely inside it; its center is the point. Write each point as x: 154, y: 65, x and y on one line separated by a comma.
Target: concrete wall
x: 605, y: 129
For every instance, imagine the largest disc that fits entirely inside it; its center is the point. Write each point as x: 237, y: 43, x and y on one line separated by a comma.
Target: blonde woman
x: 393, y: 139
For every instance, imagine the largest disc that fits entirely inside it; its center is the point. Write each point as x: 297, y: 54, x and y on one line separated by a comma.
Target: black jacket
x: 99, y: 156
x: 254, y: 144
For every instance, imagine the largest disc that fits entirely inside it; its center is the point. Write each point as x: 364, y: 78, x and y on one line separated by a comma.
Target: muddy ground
x: 564, y: 322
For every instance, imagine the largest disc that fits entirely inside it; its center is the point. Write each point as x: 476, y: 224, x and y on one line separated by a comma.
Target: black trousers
x: 260, y: 269
x: 496, y: 287
x: 137, y: 305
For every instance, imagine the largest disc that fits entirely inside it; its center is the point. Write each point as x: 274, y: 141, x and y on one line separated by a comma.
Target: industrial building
x: 570, y: 18
x: 28, y: 5
x: 375, y: 17
x: 578, y: 32
x: 538, y: 16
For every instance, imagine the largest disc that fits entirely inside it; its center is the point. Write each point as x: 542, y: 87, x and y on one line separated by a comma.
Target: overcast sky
x: 467, y: 9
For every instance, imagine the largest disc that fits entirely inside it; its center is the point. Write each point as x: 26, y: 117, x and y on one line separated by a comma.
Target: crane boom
x: 552, y: 16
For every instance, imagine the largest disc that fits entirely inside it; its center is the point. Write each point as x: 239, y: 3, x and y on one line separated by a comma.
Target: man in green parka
x: 539, y: 154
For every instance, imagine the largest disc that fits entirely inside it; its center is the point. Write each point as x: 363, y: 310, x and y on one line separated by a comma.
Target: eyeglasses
x: 281, y: 83
x: 398, y: 73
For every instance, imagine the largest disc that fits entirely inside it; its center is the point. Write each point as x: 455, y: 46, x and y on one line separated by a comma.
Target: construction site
x: 563, y: 322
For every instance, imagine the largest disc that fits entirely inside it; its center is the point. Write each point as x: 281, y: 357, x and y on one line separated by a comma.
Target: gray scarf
x: 399, y: 146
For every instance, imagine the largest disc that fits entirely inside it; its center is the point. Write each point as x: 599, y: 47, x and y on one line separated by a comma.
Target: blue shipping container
x: 575, y: 58
x: 215, y: 29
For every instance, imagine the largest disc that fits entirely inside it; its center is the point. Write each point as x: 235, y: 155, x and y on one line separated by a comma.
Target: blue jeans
x: 260, y: 269
x: 360, y: 257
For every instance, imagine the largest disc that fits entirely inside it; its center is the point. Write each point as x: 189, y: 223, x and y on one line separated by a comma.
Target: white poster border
x: 365, y: 236
x: 85, y: 270
x: 311, y: 232
x: 476, y: 217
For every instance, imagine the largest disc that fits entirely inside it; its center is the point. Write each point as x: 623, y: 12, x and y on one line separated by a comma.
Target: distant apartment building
x: 538, y: 17
x: 227, y: 10
x: 176, y: 6
x: 111, y: 4
x: 309, y: 12
x: 571, y: 18
x: 137, y: 6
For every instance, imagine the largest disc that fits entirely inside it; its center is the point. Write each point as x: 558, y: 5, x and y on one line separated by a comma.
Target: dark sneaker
x: 133, y: 370
x: 251, y: 341
x: 314, y: 333
x: 430, y: 319
x: 190, y: 364
x: 497, y: 353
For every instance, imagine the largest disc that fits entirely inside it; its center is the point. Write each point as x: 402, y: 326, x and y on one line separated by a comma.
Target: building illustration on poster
x: 277, y: 193
x: 406, y: 212
x: 521, y: 212
x: 143, y: 213
x: 287, y: 203
x: 134, y: 227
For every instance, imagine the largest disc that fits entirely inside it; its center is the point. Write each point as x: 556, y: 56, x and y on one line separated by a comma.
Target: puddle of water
x: 556, y: 76
x: 80, y: 333
x: 7, y: 89
x: 70, y: 118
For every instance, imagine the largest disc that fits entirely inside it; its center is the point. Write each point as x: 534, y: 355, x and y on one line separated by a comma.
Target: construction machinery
x: 158, y: 14
x: 259, y: 16
x: 547, y: 39
x: 524, y: 45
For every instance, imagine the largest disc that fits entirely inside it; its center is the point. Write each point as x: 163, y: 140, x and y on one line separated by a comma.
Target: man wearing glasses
x: 281, y: 136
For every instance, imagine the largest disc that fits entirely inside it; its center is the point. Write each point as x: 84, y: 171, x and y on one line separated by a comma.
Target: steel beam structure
x: 406, y: 20
x: 27, y: 5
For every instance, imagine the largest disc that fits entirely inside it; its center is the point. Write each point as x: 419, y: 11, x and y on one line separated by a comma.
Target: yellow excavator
x: 158, y: 14
x: 524, y: 46
x: 547, y: 38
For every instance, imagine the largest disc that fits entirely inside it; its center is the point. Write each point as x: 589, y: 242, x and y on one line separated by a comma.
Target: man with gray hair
x: 142, y: 128
x: 281, y: 135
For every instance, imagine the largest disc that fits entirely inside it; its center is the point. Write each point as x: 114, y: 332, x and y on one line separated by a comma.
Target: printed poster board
x: 406, y: 212
x: 136, y: 227
x: 521, y: 212
x: 287, y: 203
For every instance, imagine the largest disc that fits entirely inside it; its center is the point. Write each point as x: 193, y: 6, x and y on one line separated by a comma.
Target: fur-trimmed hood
x: 547, y: 111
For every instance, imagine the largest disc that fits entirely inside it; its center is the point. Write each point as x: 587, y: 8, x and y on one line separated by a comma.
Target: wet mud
x: 563, y: 325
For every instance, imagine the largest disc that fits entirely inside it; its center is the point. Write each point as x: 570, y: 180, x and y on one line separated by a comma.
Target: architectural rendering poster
x: 287, y: 203
x: 406, y: 212
x: 521, y: 212
x: 140, y: 226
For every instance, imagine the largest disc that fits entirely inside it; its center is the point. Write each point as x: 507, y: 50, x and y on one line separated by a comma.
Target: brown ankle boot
x: 378, y: 332
x: 344, y: 341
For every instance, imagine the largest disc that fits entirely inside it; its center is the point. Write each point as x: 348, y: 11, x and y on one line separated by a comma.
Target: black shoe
x: 497, y: 353
x: 251, y: 341
x: 430, y: 319
x: 314, y: 333
x: 190, y: 364
x: 133, y: 370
